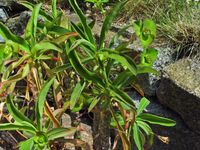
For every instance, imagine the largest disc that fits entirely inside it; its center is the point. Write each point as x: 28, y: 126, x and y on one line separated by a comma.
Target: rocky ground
x: 174, y: 94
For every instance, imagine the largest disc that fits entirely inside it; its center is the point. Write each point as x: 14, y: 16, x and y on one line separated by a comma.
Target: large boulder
x: 180, y: 90
x: 180, y: 137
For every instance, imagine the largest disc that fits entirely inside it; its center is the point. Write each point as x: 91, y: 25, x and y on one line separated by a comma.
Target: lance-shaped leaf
x: 7, y: 35
x: 32, y: 23
x: 60, y: 132
x: 93, y: 104
x: 83, y: 20
x: 125, y: 61
x: 137, y: 137
x: 78, y: 30
x: 76, y: 94
x: 54, y: 9
x: 108, y: 21
x: 23, y: 126
x: 83, y: 72
x: 26, y: 145
x: 41, y: 100
x: 16, y: 114
x: 12, y: 66
x: 123, y: 79
x: 143, y: 104
x: 122, y: 96
x: 82, y: 42
x: 44, y: 46
x: 146, y: 69
x: 153, y: 119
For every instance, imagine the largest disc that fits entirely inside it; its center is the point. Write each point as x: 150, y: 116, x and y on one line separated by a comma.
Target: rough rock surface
x: 6, y: 3
x: 180, y: 136
x: 150, y: 82
x: 179, y: 90
x: 18, y: 24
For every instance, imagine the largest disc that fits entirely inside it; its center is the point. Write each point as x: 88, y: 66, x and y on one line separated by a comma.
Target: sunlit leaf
x: 108, y: 21
x: 143, y: 104
x: 60, y: 132
x: 76, y: 93
x: 26, y: 145
x: 153, y: 119
x: 41, y: 100
x: 83, y: 20
x: 16, y: 114
x: 7, y: 35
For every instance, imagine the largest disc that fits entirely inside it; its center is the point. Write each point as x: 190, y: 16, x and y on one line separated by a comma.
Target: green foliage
x: 107, y: 93
x: 40, y: 136
x: 98, y: 4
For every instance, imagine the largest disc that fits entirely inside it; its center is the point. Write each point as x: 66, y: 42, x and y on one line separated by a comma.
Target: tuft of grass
x: 178, y: 21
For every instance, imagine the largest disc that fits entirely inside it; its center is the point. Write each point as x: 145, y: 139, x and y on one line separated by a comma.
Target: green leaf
x: 54, y: 9
x: 82, y: 42
x: 146, y: 31
x: 93, y: 104
x: 137, y: 137
x: 151, y: 26
x: 122, y: 96
x: 150, y: 56
x: 12, y: 66
x: 22, y: 126
x: 137, y: 25
x: 124, y: 79
x: 83, y: 20
x: 44, y: 46
x: 26, y: 145
x: 143, y: 104
x: 16, y: 114
x: 60, y: 132
x: 83, y: 72
x: 7, y: 35
x: 145, y: 127
x: 121, y: 59
x: 41, y: 100
x: 78, y: 30
x: 76, y: 93
x: 108, y: 21
x: 146, y: 69
x: 153, y: 119
x: 119, y: 119
x: 32, y: 23
x: 20, y: 75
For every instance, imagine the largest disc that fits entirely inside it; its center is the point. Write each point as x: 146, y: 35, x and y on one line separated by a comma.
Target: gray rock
x: 180, y: 136
x: 3, y: 15
x: 150, y: 82
x: 18, y: 24
x: 6, y: 3
x: 179, y: 90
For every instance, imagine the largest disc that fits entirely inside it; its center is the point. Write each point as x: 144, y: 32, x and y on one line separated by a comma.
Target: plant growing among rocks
x: 105, y: 89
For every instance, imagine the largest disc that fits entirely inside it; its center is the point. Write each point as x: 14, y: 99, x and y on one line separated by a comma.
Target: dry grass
x: 178, y: 22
